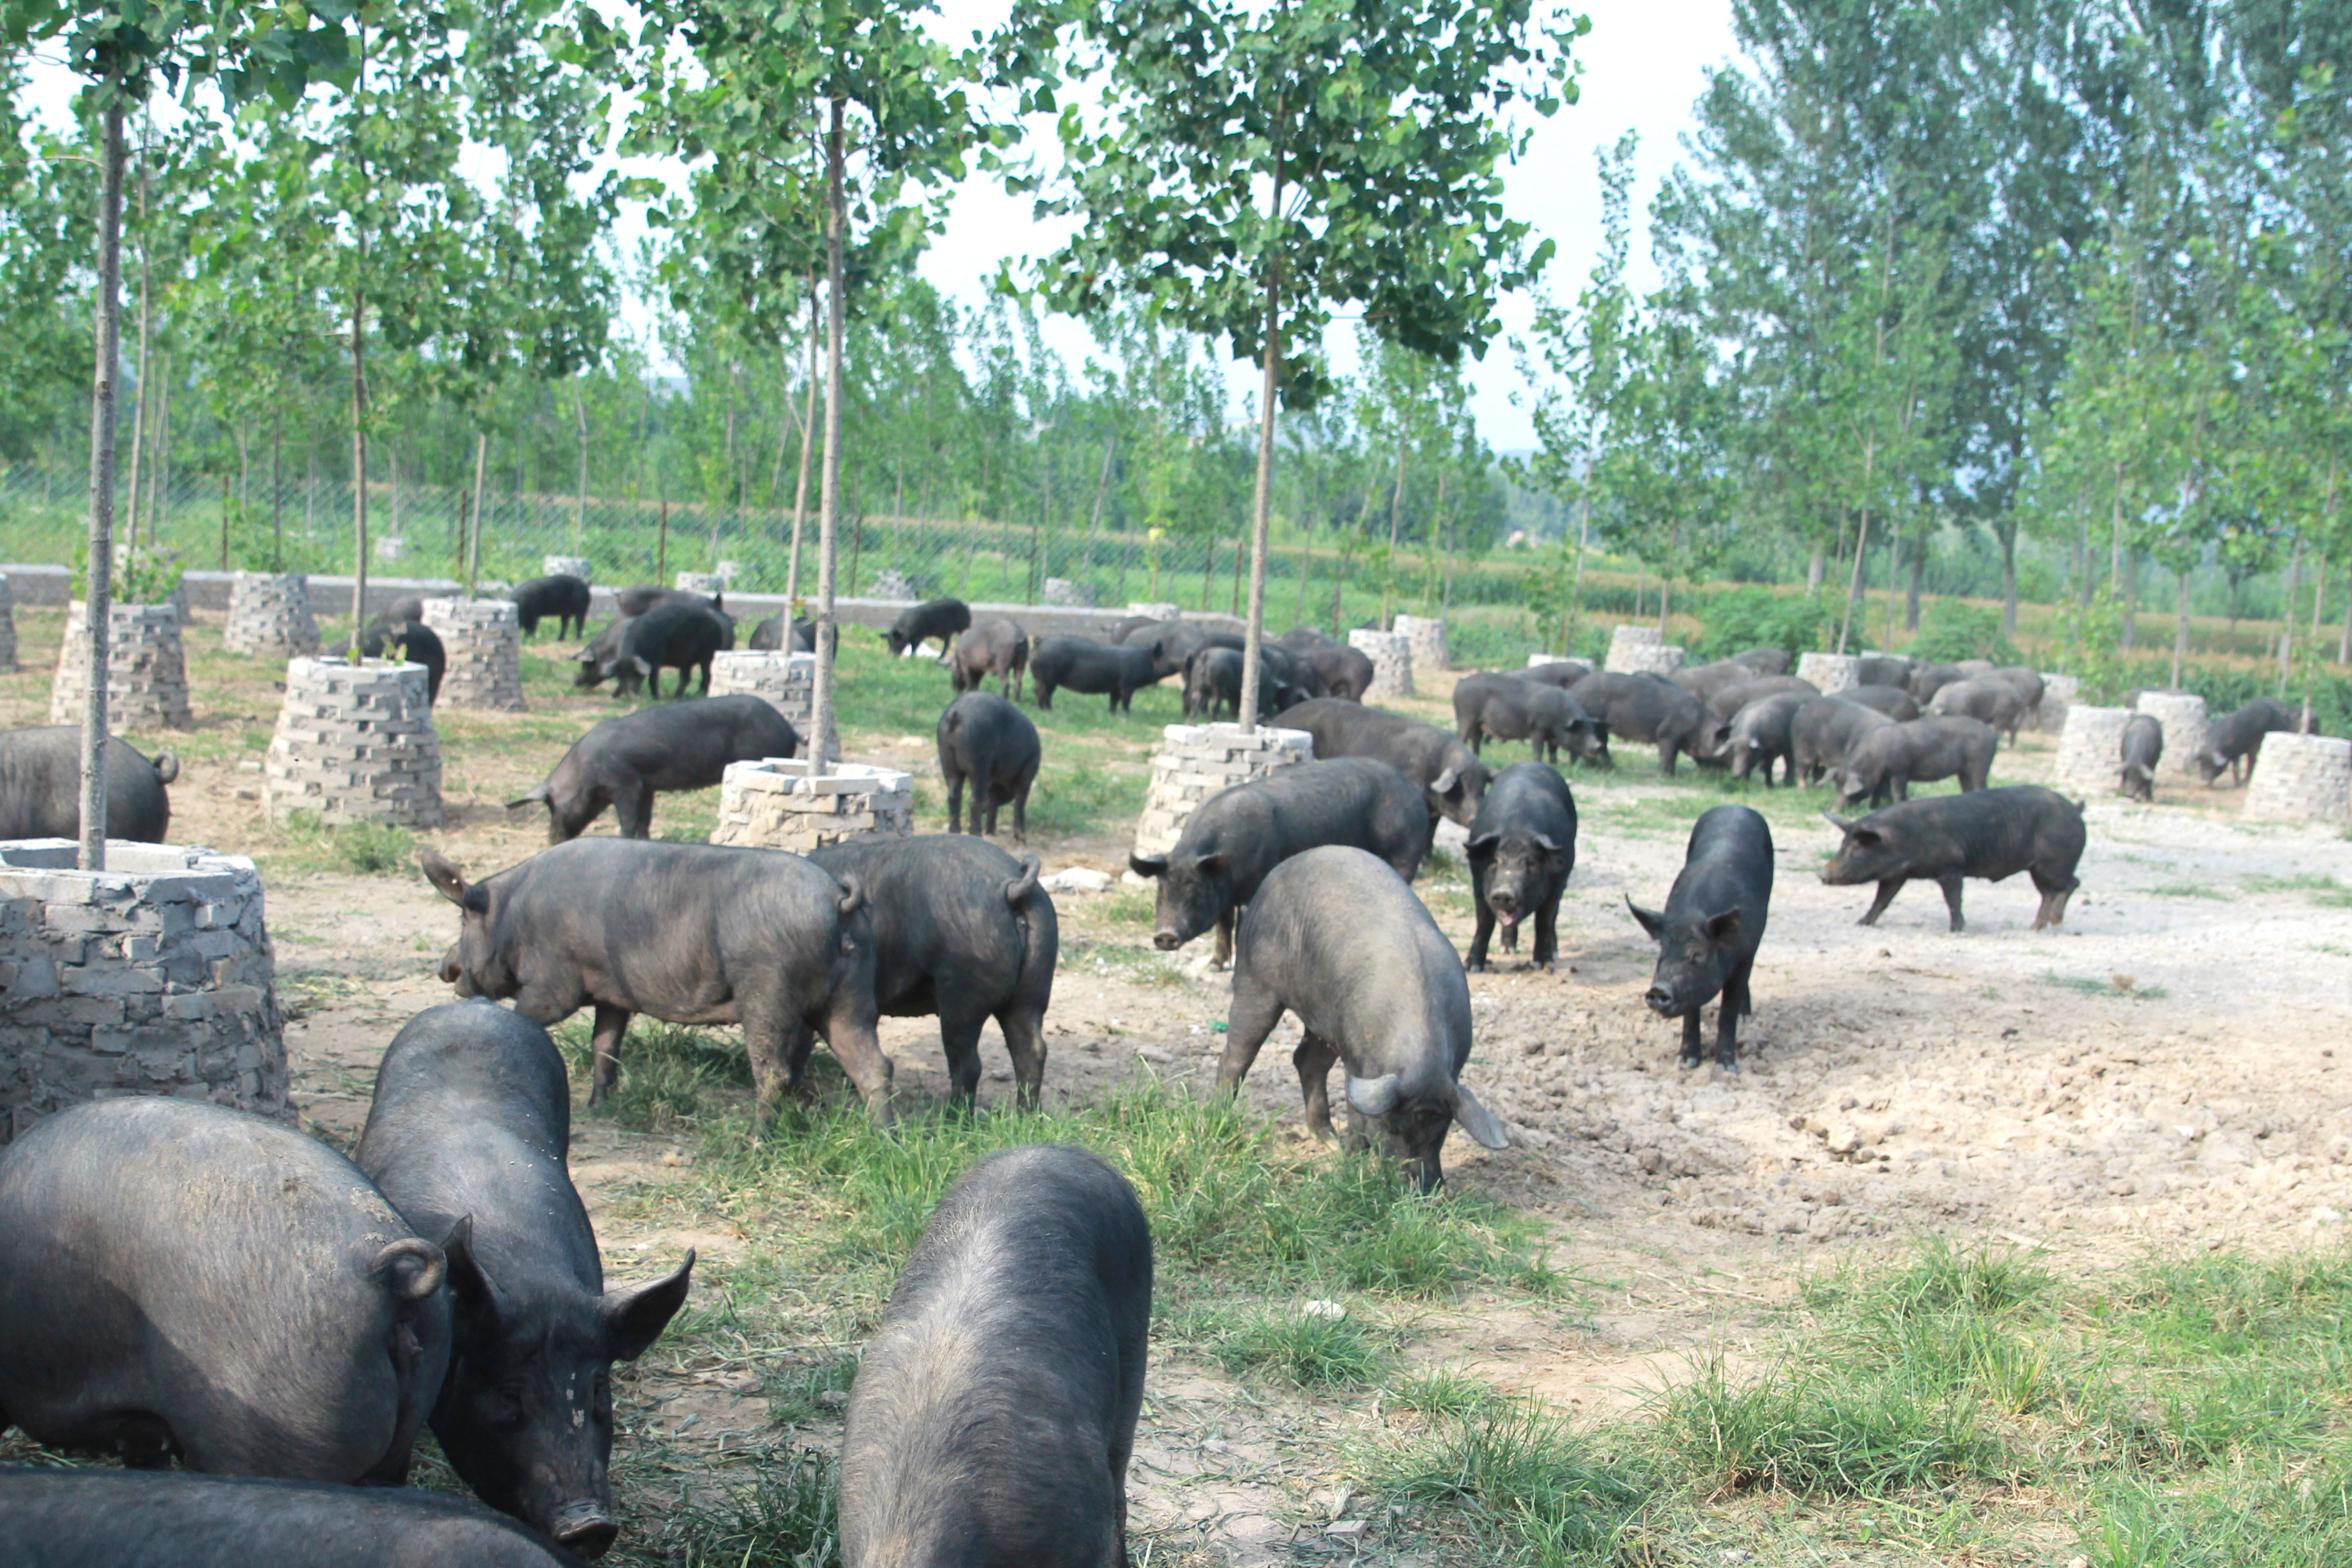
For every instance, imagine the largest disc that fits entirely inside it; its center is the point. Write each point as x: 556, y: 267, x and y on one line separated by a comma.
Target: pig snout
x: 585, y: 1529
x: 452, y: 972
x: 1505, y: 904
x: 1661, y: 999
x: 1166, y: 939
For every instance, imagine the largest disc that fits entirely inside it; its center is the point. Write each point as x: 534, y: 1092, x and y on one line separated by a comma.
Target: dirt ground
x: 2165, y: 1068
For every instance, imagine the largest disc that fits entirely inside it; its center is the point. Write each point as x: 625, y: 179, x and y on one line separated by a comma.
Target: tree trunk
x: 1396, y: 502
x: 823, y: 745
x: 2180, y: 627
x: 1094, y: 520
x: 481, y: 518
x: 359, y: 365
x: 1814, y: 566
x: 800, y: 493
x: 1861, y: 545
x: 156, y: 489
x: 2286, y: 614
x: 277, y: 495
x: 2009, y: 581
x: 97, y: 595
x: 139, y: 403
x: 579, y: 511
x: 2131, y: 599
x: 1918, y: 583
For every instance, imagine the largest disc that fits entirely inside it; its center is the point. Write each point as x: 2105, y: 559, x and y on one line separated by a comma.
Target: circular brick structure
x: 146, y: 676
x: 7, y: 625
x: 1634, y: 649
x: 1391, y: 657
x: 1831, y: 671
x: 1197, y: 761
x: 269, y: 613
x: 775, y: 804
x: 787, y: 680
x: 2300, y: 778
x: 2185, y: 727
x: 1425, y: 635
x: 484, y: 641
x: 355, y: 744
x: 567, y: 567
x: 2059, y: 692
x: 2090, y: 749
x: 153, y: 976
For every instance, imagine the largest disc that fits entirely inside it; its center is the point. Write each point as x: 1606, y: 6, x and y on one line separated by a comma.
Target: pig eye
x: 506, y: 1401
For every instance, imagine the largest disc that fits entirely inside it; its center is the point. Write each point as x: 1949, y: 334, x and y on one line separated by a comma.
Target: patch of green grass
x: 1288, y: 1343
x: 1083, y: 800
x: 358, y: 848
x: 2325, y: 890
x: 2091, y: 987
x: 1442, y: 1390
x: 2189, y: 890
x: 798, y: 1396
x: 784, y: 1512
x: 1136, y: 966
x: 671, y: 1077
x: 1122, y: 904
x: 1519, y: 1482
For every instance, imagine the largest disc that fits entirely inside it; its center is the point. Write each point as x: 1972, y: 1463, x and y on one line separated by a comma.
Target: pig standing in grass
x: 1710, y: 929
x: 1335, y: 936
x: 1522, y: 848
x: 689, y: 933
x: 624, y: 761
x: 466, y: 1138
x: 986, y: 742
x: 994, y: 1411
x: 179, y: 1278
x: 1989, y: 833
x: 129, y: 1519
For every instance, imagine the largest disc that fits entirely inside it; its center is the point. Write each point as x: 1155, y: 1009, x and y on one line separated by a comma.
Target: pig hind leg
x: 959, y: 1037
x: 604, y: 1051
x: 2054, y: 894
x: 1314, y: 1058
x: 1886, y: 891
x: 1024, y: 1042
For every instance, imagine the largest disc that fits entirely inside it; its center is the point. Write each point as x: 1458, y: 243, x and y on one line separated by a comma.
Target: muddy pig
x: 562, y: 596
x: 76, y: 1518
x: 1987, y: 697
x: 1094, y: 669
x: 1758, y: 735
x: 689, y: 933
x: 994, y: 1414
x: 998, y: 648
x: 2142, y: 748
x: 184, y: 1279
x: 1509, y: 709
x: 1887, y: 760
x: 1237, y: 835
x: 1710, y: 929
x: 1636, y: 707
x: 625, y: 761
x: 1451, y: 778
x: 1989, y: 833
x: 467, y: 1138
x: 1824, y: 730
x: 1522, y: 848
x: 1335, y: 936
x: 2232, y: 743
x: 963, y: 934
x: 683, y: 637
x: 945, y: 620
x: 986, y: 740
x: 40, y: 786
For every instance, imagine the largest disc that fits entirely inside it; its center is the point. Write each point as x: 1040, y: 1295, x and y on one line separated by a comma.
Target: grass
x: 1292, y: 1343
x: 359, y: 848
x: 2189, y: 890
x: 2115, y: 985
x: 1514, y: 1478
x: 2324, y: 890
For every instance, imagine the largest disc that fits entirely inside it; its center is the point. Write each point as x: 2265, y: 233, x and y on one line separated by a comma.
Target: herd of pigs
x: 185, y: 1280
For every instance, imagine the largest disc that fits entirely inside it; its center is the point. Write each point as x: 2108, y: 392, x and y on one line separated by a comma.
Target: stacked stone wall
x: 146, y: 674
x: 2059, y: 693
x: 775, y: 804
x: 269, y: 613
x: 2090, y: 751
x: 2185, y: 729
x: 355, y: 744
x: 483, y: 639
x: 788, y: 680
x: 1197, y: 761
x: 1391, y: 657
x: 1831, y: 671
x: 567, y: 567
x: 2300, y: 778
x: 1634, y: 650
x: 1425, y: 635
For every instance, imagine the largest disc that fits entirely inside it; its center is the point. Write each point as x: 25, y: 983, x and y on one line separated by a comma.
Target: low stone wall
x: 2185, y: 729
x: 1425, y: 635
x: 788, y: 680
x: 1063, y: 590
x: 484, y: 641
x: 2090, y: 749
x: 153, y: 976
x: 355, y: 745
x: 568, y: 566
x: 269, y: 613
x: 1156, y: 610
x: 1634, y: 649
x: 706, y: 583
x: 775, y: 804
x: 2299, y: 778
x: 2059, y: 693
x: 1831, y: 671
x: 1197, y: 761
x: 7, y: 626
x: 146, y: 675
x: 1391, y: 657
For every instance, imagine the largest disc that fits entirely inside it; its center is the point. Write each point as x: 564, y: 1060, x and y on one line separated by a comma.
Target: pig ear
x: 475, y: 1296
x: 531, y: 797
x: 1476, y: 1119
x: 445, y: 876
x: 1549, y: 845
x: 1211, y: 865
x: 1484, y: 845
x: 634, y: 1317
x: 1147, y: 865
x: 642, y: 668
x: 1444, y: 783
x: 1651, y: 920
x: 1723, y: 929
x: 1375, y: 1096
x: 1843, y: 823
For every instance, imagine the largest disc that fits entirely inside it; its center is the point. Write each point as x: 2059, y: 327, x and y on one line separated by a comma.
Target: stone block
x: 2059, y: 692
x: 2299, y: 778
x: 2182, y: 719
x: 484, y: 641
x: 1197, y: 761
x: 775, y: 803
x: 708, y: 584
x: 892, y: 583
x: 1064, y: 591
x: 2090, y: 751
x: 567, y: 567
x: 269, y: 613
x: 376, y: 759
x: 1425, y: 636
x: 1391, y: 657
x: 1633, y: 649
x: 787, y: 680
x: 1156, y: 610
x: 146, y: 674
x: 1831, y: 671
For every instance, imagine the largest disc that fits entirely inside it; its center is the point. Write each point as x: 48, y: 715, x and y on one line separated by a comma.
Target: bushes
x: 1952, y: 630
x: 1758, y: 617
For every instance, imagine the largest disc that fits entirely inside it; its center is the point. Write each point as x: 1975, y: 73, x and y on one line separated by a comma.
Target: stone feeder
x: 567, y: 567
x: 146, y: 677
x: 788, y: 680
x: 709, y: 584
x: 1425, y: 635
x: 1831, y: 671
x: 484, y: 639
x: 1391, y: 657
x: 1197, y: 761
x: 1064, y: 591
x: 153, y: 976
x: 355, y: 744
x: 2059, y: 693
x: 2090, y: 749
x: 7, y: 626
x: 1633, y: 649
x: 2183, y: 718
x: 775, y: 804
x: 269, y: 613
x: 2300, y: 778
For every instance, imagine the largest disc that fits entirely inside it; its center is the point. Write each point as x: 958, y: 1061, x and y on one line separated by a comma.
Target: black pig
x: 1637, y: 707
x: 917, y: 624
x: 562, y: 596
x: 1710, y: 929
x: 683, y: 637
x: 1451, y: 779
x: 1989, y: 833
x: 2142, y: 747
x: 1885, y: 761
x: 1824, y: 730
x: 625, y: 761
x: 1522, y: 848
x: 466, y: 1138
x: 1508, y: 708
x: 1092, y: 668
x: 985, y: 740
x: 994, y: 1414
x: 414, y: 642
x: 2232, y: 743
x: 998, y: 648
x: 40, y: 786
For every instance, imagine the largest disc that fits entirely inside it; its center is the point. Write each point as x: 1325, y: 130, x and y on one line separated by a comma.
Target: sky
x: 1644, y: 64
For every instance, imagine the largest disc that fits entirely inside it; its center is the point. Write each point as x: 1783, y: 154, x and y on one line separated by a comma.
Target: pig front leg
x: 633, y: 808
x: 1224, y: 954
x: 1314, y: 1059
x: 1256, y: 1010
x: 1886, y: 891
x: 1547, y: 954
x: 1736, y: 1001
x: 1690, y: 1057
x: 1951, y: 885
x: 1479, y: 939
x: 604, y: 1051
